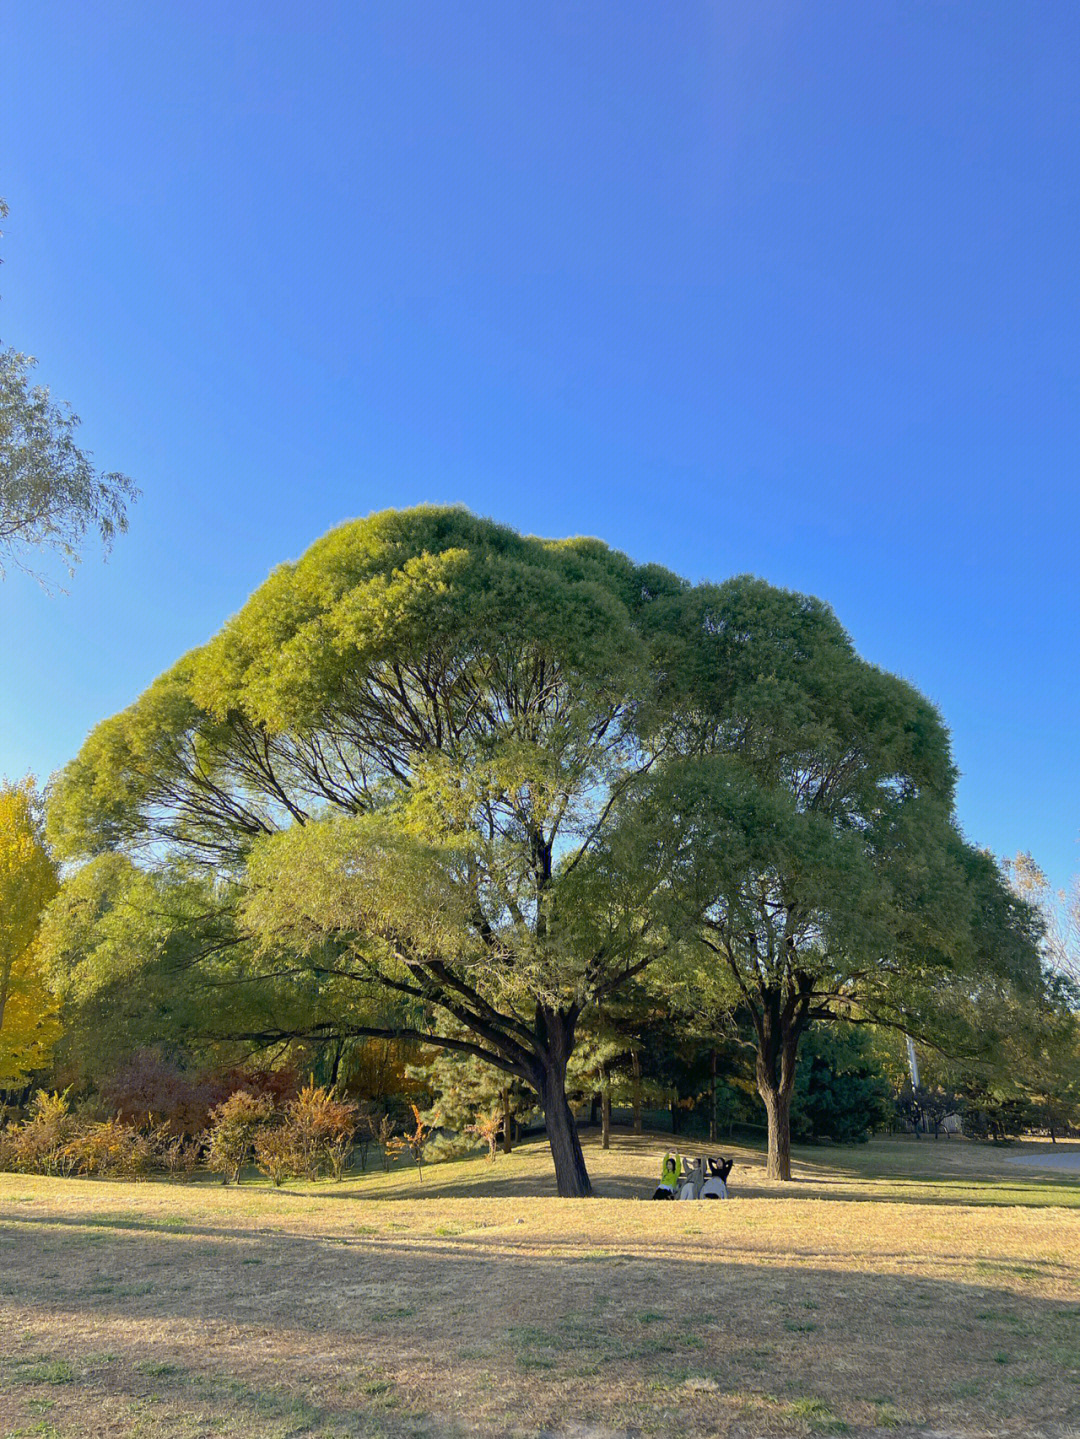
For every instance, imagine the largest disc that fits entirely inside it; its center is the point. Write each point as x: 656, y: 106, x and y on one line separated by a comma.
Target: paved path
x: 1067, y: 1159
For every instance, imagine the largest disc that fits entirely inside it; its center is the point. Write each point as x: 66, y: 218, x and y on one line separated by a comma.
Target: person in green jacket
x: 669, y: 1177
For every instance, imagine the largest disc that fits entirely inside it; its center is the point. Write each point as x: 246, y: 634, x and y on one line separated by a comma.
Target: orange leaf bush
x: 313, y: 1137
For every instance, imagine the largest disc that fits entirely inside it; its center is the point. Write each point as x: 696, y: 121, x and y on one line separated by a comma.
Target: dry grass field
x: 904, y: 1287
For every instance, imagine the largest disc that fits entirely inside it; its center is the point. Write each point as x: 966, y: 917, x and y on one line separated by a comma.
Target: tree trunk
x: 674, y: 1111
x: 548, y: 1076
x: 712, y: 1115
x: 635, y: 1060
x: 605, y: 1109
x: 571, y: 1176
x: 507, y: 1123
x: 781, y: 1023
x: 778, y: 1110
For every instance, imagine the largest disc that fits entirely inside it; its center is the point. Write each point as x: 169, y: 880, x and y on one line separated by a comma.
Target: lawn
x: 901, y: 1287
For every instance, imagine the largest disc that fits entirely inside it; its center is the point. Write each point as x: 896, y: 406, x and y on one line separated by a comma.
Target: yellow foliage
x: 29, y: 1020
x: 378, y: 1068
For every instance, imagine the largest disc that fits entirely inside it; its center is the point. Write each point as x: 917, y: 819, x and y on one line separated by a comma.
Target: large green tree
x: 404, y: 762
x: 820, y: 859
x: 489, y: 779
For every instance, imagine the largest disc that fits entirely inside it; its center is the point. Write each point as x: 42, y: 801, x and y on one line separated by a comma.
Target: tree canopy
x: 401, y: 761
x: 28, y: 881
x: 487, y: 780
x: 51, y: 496
x: 820, y: 861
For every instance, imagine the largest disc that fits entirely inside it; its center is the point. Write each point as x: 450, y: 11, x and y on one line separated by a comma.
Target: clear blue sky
x: 772, y: 287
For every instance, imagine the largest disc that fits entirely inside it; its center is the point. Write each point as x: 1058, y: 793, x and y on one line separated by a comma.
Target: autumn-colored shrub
x: 414, y: 1143
x: 113, y: 1148
x: 488, y: 1126
x: 148, y: 1084
x: 310, y: 1137
x: 184, y: 1099
x: 54, y: 1141
x: 313, y: 1137
x: 275, y: 1153
x: 323, y: 1126
x: 236, y: 1122
x: 386, y: 1136
x: 40, y: 1144
x: 180, y: 1156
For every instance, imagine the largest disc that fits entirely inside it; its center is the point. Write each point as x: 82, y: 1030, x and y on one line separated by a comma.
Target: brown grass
x: 897, y: 1288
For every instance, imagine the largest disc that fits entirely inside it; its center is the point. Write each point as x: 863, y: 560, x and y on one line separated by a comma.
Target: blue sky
x: 771, y: 287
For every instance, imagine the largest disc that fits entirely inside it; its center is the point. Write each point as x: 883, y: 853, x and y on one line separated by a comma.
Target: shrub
x: 184, y: 1098
x: 55, y: 1141
x: 40, y: 1144
x: 148, y: 1084
x: 235, y: 1123
x: 275, y: 1153
x: 314, y: 1137
x: 111, y: 1147
x: 414, y: 1143
x: 487, y: 1125
x: 322, y: 1127
x: 311, y: 1137
x: 385, y: 1134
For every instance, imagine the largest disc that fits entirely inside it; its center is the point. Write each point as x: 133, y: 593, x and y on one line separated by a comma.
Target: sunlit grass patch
x: 357, y: 1309
x: 887, y: 1415
x: 818, y: 1415
x: 41, y: 1370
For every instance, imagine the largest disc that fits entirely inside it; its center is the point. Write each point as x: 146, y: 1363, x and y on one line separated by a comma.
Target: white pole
x: 913, y: 1063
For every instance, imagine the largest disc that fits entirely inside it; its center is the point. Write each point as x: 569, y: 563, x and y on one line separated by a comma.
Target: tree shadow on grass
x: 559, y: 1328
